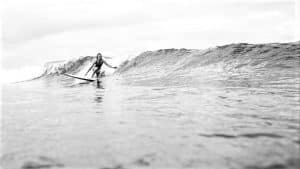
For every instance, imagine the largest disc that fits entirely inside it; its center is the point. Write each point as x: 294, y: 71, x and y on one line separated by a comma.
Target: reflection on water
x: 99, y: 92
x: 225, y: 123
x: 99, y: 85
x: 98, y: 97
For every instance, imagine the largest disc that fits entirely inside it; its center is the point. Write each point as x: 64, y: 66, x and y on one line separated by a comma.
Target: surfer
x: 98, y: 64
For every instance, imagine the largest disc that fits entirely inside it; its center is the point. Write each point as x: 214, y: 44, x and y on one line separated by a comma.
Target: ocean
x: 235, y: 106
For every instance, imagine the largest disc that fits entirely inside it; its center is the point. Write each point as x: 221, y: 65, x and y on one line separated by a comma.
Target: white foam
x: 20, y: 74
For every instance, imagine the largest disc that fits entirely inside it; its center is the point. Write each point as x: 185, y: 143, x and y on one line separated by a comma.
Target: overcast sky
x: 37, y: 31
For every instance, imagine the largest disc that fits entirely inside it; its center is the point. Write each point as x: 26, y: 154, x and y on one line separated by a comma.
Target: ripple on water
x: 292, y: 163
x: 42, y: 162
x: 247, y: 135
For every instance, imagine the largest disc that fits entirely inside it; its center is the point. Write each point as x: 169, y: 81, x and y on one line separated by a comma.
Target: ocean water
x: 234, y: 106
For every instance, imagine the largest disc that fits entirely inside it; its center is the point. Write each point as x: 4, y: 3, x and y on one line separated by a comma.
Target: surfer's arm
x: 108, y: 65
x: 90, y: 69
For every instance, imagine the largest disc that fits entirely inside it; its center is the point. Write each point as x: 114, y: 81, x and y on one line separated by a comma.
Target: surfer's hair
x: 99, y: 56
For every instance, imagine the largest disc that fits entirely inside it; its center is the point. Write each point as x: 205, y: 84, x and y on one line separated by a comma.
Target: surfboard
x: 81, y: 78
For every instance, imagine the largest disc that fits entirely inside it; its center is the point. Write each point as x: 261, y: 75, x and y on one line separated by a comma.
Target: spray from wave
x: 21, y: 74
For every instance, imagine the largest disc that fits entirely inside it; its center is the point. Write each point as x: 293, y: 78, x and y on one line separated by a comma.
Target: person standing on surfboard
x: 98, y: 64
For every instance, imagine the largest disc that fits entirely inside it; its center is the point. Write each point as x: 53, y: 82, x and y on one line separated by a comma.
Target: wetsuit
x: 98, y: 65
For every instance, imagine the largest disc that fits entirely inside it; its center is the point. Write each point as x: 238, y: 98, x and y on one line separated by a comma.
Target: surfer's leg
x: 93, y: 73
x: 98, y: 73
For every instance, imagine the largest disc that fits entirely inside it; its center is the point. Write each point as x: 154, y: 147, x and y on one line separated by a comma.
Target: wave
x: 228, y: 58
x: 233, y: 57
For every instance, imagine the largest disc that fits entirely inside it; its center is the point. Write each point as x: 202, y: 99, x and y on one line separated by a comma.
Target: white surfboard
x: 81, y: 78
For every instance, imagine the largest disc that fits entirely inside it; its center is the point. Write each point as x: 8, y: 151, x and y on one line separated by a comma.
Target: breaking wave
x: 71, y: 66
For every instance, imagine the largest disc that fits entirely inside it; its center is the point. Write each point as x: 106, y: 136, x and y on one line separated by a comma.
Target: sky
x: 38, y: 31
